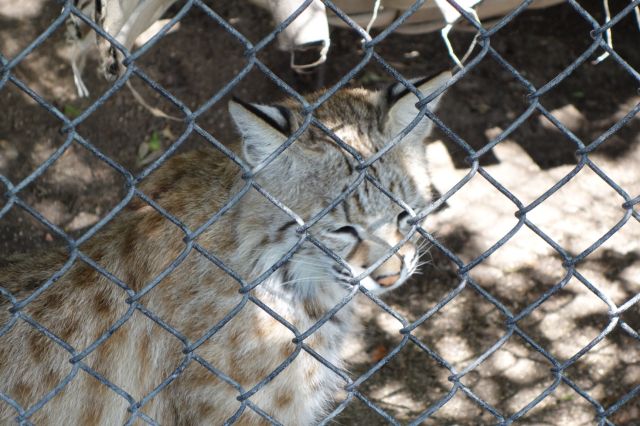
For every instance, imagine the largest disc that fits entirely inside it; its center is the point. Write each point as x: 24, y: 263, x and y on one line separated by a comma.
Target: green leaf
x: 71, y: 111
x: 154, y: 142
x: 370, y: 77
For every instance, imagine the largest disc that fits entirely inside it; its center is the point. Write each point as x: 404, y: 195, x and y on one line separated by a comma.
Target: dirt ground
x: 198, y: 58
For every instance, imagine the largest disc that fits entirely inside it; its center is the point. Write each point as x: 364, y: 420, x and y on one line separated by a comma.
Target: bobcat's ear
x: 401, y: 106
x: 264, y: 128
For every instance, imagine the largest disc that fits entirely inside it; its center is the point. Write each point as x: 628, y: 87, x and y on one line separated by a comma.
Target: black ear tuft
x: 276, y: 116
x: 397, y: 90
x: 286, y: 114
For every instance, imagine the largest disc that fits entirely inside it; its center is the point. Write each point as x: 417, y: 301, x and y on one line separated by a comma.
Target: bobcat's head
x: 366, y: 227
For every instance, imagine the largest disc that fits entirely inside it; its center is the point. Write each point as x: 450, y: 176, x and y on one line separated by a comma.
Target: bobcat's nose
x: 390, y: 271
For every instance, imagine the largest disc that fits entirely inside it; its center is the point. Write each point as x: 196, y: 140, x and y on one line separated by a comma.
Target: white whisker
x: 299, y: 280
x: 303, y: 262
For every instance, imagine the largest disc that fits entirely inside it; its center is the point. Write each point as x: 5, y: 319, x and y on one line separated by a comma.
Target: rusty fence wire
x: 629, y: 212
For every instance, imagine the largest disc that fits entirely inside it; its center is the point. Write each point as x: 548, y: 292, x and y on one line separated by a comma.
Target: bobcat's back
x: 82, y: 304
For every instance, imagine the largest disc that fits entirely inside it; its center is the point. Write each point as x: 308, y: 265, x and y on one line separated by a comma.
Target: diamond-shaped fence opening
x: 187, y: 277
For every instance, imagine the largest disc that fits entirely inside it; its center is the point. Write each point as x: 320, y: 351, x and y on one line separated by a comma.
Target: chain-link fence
x: 352, y: 385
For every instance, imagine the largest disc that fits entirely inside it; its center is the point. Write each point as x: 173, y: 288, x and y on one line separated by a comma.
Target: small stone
x: 378, y: 353
x: 8, y: 153
x: 143, y: 150
x: 82, y: 220
x: 412, y: 54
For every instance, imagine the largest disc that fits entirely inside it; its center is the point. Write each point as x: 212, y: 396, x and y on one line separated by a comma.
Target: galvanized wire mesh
x: 629, y: 211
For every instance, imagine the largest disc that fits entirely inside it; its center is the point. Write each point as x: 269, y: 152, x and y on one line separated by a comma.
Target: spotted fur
x: 84, y: 304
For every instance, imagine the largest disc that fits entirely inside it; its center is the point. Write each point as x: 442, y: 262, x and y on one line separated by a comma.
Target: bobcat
x: 82, y: 307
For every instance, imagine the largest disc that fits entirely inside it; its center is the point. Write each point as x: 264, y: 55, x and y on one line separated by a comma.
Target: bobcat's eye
x: 347, y: 230
x: 403, y: 217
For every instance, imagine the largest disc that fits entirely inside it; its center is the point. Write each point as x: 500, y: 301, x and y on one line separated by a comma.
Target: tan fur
x: 139, y: 244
